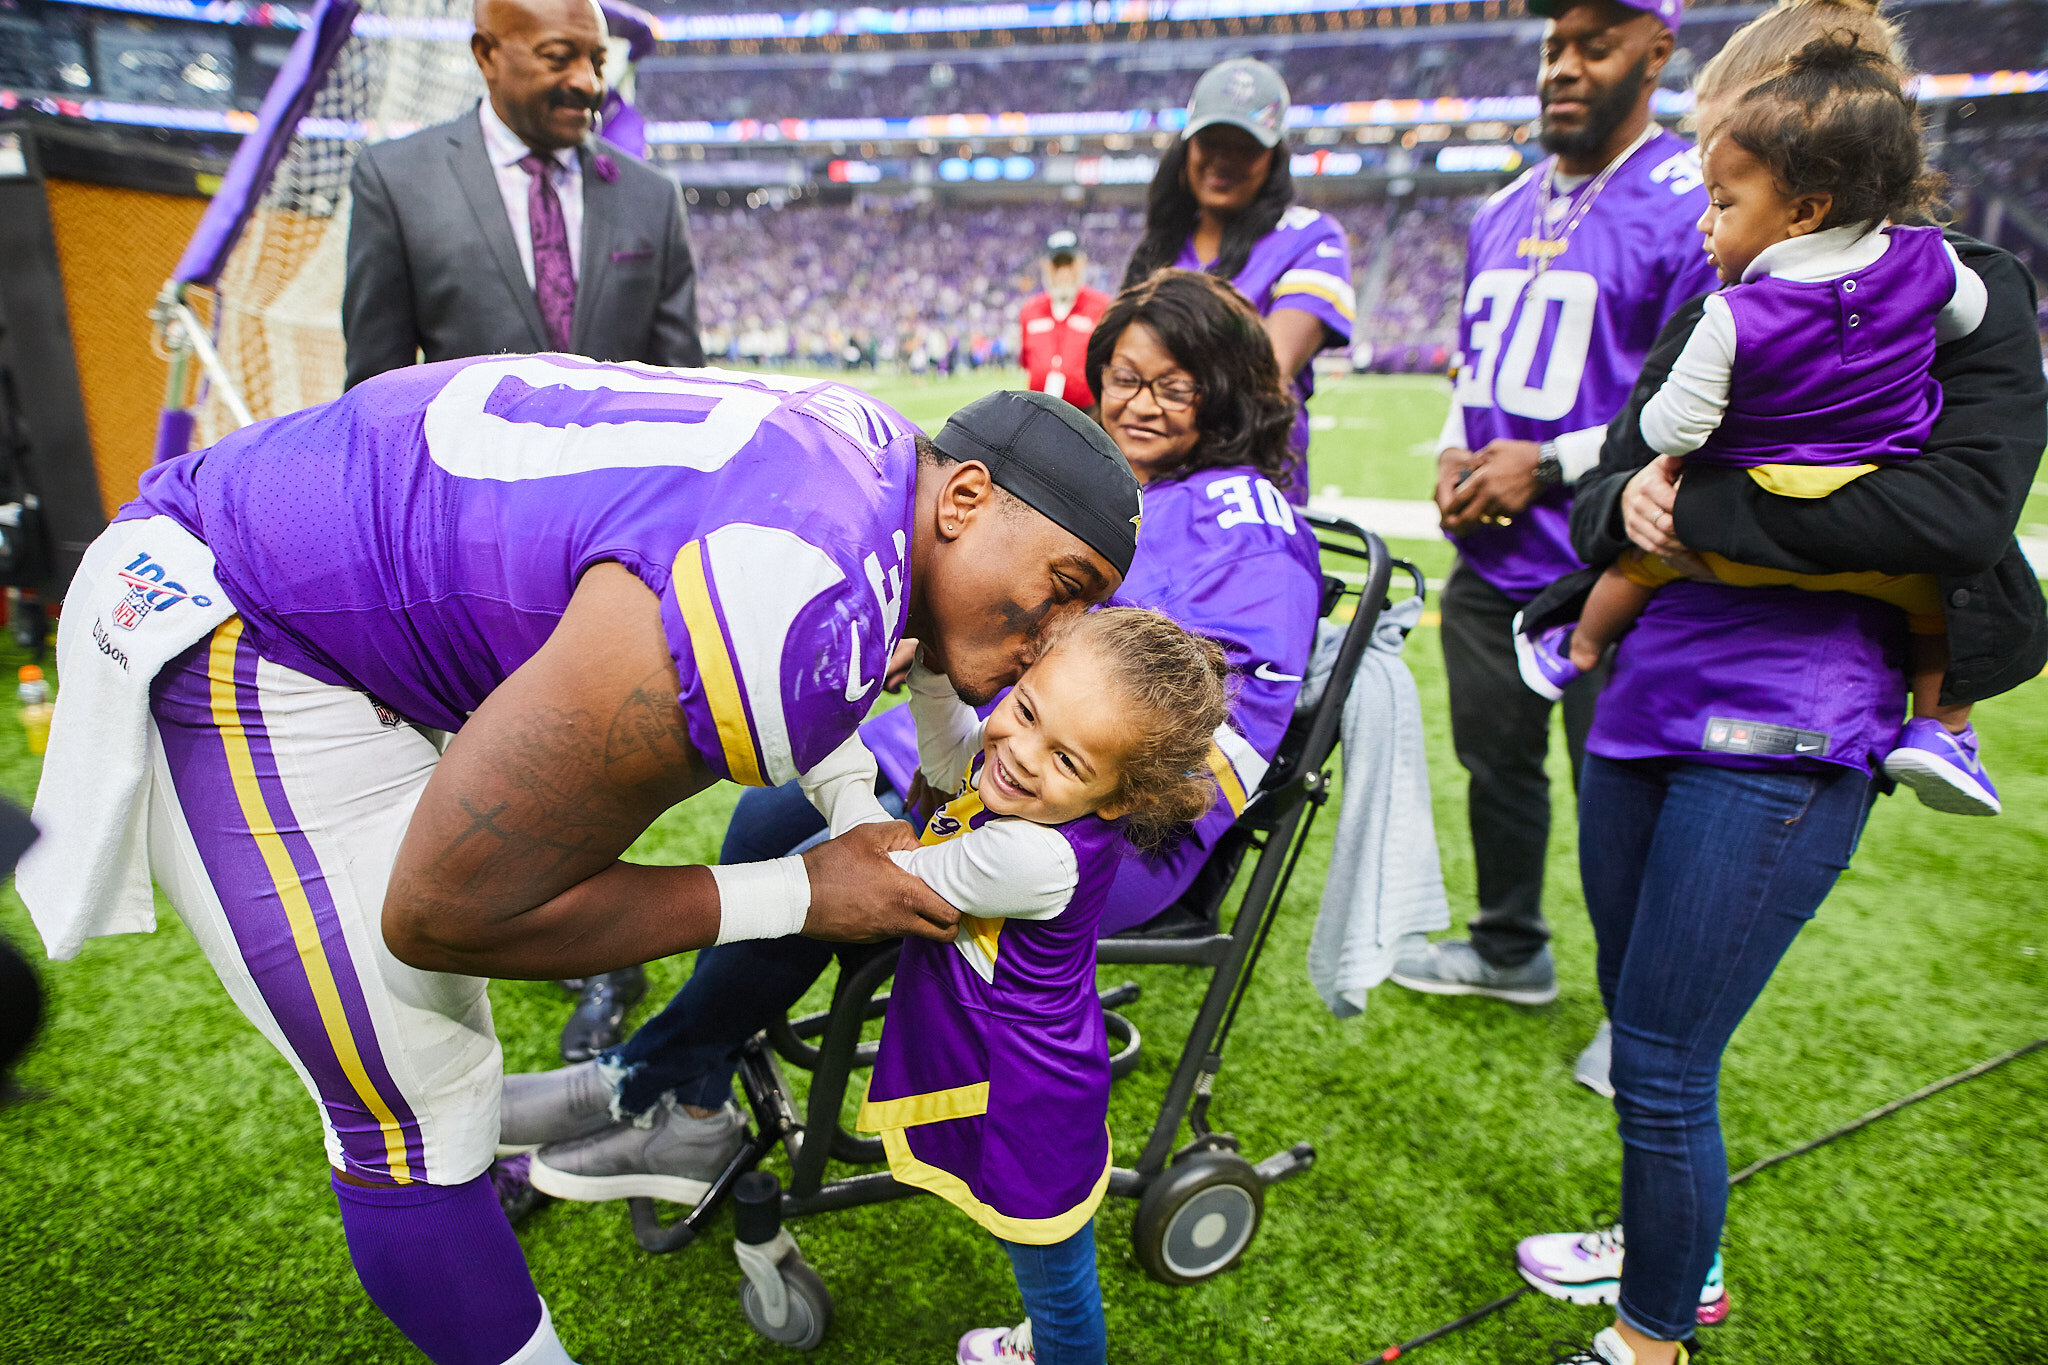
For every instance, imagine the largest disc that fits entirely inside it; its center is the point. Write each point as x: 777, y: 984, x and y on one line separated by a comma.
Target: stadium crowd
x: 921, y: 287
x: 1970, y: 36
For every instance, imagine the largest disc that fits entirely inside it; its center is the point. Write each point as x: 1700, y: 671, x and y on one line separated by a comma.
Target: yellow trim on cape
x: 1806, y: 480
x: 291, y: 891
x: 933, y: 1106
x: 908, y: 1170
x: 1226, y: 779
x: 714, y: 666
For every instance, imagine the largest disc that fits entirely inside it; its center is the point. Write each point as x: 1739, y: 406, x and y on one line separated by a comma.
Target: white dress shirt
x: 506, y: 151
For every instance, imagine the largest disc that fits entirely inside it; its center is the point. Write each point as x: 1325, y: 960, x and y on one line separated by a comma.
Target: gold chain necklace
x: 1539, y: 244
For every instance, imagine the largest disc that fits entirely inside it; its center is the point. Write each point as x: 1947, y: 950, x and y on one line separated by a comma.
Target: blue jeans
x: 1063, y: 1299
x: 691, y: 1049
x: 1697, y: 880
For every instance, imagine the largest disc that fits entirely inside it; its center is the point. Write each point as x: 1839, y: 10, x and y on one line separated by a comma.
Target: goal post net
x: 256, y: 298
x: 251, y: 318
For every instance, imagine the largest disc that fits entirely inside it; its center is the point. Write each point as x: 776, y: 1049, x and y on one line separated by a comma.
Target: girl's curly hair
x: 1245, y: 411
x: 1174, y: 688
x: 1834, y: 121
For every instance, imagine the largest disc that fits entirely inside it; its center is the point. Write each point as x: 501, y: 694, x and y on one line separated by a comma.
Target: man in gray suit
x: 513, y: 228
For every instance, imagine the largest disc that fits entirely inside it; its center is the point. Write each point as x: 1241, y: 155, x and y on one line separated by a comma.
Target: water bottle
x: 36, y: 707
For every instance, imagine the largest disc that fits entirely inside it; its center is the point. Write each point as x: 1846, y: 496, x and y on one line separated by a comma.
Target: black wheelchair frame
x: 1199, y: 1205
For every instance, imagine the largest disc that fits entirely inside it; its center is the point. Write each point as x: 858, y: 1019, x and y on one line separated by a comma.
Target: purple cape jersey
x: 1755, y: 678
x: 1304, y: 263
x: 1836, y: 372
x: 419, y: 537
x: 1221, y: 552
x: 993, y: 1092
x: 1543, y: 354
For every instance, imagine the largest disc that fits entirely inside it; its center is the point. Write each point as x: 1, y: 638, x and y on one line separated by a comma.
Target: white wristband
x: 762, y: 900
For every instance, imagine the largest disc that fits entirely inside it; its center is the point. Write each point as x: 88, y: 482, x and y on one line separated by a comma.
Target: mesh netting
x: 277, y: 308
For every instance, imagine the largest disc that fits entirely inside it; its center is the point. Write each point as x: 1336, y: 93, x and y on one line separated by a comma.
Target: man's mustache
x: 571, y: 99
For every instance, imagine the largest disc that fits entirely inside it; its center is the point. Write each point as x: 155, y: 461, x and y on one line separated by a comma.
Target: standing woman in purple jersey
x: 1191, y: 396
x: 1726, y: 785
x: 1222, y: 201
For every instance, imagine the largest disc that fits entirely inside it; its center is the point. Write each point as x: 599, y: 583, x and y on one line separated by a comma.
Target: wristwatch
x: 1549, y: 469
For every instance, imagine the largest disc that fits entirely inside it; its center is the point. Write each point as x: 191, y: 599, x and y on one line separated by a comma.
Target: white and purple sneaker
x: 1942, y: 769
x: 1585, y: 1268
x: 997, y: 1346
x: 1545, y: 659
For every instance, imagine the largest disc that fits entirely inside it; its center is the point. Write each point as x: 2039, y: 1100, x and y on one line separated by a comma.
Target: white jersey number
x: 614, y: 427
x: 1490, y: 302
x: 1249, y: 501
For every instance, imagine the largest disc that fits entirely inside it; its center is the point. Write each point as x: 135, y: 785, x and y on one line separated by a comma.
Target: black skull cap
x: 1049, y: 454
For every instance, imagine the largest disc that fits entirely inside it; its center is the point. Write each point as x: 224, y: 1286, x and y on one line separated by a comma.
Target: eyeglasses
x: 1171, y: 392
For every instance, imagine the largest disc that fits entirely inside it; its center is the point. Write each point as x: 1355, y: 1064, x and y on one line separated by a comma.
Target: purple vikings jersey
x: 1222, y: 553
x: 991, y: 1088
x: 1755, y: 678
x: 1835, y: 372
x: 1544, y: 353
x: 1304, y: 263
x: 419, y: 537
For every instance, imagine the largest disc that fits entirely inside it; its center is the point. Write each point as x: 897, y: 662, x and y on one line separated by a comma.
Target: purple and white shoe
x: 997, y: 1346
x: 1942, y: 769
x: 1545, y: 659
x: 1585, y: 1268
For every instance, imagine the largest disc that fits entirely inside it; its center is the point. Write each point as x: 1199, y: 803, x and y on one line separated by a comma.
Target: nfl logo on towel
x: 148, y: 590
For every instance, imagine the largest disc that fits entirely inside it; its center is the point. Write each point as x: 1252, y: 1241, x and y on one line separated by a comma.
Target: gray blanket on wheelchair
x: 1385, y: 882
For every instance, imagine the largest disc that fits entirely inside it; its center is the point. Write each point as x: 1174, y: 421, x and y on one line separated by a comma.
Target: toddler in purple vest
x: 1812, y: 367
x: 991, y: 1088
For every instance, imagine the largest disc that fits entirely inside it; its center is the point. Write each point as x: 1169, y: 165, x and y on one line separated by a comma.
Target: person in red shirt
x: 1056, y: 324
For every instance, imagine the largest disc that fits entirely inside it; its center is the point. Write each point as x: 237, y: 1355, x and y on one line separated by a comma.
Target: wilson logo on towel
x: 149, y: 589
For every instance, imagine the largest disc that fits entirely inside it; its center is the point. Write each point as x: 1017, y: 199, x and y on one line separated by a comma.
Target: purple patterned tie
x: 554, y: 273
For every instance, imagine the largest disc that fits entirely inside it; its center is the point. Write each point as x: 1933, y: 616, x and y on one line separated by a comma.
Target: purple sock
x: 442, y: 1263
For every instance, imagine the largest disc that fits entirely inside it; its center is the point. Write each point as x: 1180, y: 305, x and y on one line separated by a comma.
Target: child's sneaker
x: 1545, y: 659
x: 1609, y: 1349
x: 1941, y: 768
x: 998, y: 1346
x: 1585, y: 1268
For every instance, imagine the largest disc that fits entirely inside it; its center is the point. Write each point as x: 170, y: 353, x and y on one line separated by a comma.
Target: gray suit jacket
x: 433, y: 268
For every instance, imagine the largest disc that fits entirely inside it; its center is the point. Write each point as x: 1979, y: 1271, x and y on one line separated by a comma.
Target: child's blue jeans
x: 1063, y: 1299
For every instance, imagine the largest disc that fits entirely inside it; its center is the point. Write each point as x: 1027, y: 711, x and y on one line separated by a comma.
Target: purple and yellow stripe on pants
x: 279, y: 902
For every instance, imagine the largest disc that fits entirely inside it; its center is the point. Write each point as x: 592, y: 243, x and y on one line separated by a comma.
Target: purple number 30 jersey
x: 1551, y: 354
x: 419, y: 537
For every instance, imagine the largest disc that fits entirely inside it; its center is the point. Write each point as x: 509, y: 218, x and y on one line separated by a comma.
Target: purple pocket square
x: 645, y: 254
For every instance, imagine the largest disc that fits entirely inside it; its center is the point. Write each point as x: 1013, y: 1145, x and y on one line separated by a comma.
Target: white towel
x: 144, y: 594
x: 1385, y: 881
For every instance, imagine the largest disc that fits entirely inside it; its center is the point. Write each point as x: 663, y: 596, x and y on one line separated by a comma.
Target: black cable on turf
x: 1395, y: 1352
x: 1884, y: 1110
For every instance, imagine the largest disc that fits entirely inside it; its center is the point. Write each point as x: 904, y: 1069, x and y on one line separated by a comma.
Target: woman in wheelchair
x: 1194, y: 399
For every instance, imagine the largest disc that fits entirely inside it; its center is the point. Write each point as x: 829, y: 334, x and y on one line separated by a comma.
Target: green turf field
x: 165, y: 1198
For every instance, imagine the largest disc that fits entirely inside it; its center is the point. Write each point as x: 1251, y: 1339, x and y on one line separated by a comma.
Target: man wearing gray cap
x: 1222, y: 202
x: 654, y: 1116
x: 1054, y: 326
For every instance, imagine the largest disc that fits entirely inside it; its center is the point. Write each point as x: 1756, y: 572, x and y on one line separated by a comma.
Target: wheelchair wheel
x: 810, y: 1307
x: 1198, y: 1217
